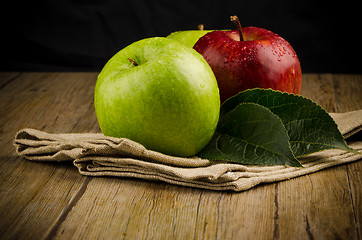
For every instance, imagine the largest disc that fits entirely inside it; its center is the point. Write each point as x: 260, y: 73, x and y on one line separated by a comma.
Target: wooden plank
x: 349, y: 97
x: 34, y: 195
x: 354, y: 172
x: 7, y: 77
x: 317, y: 206
x: 320, y: 88
x: 309, y: 205
x: 247, y: 215
x: 136, y: 209
x: 348, y: 92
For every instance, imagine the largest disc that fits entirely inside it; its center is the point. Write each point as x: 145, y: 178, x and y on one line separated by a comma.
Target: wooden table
x: 53, y: 201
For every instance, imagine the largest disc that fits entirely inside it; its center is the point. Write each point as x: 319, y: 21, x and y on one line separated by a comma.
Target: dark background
x: 81, y: 35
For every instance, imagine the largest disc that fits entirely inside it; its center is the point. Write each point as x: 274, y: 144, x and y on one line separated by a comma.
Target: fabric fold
x: 97, y: 155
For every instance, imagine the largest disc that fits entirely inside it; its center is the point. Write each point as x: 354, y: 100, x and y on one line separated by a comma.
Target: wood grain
x: 321, y: 197
x: 32, y: 195
x: 348, y: 98
x: 53, y: 201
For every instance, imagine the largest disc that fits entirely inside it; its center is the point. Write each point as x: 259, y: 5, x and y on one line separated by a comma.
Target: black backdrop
x: 81, y: 35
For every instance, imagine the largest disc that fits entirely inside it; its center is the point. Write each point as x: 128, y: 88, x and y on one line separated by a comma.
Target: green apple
x: 161, y: 94
x: 188, y: 38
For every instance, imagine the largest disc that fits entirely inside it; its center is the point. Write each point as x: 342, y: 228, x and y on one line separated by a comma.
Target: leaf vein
x: 257, y: 146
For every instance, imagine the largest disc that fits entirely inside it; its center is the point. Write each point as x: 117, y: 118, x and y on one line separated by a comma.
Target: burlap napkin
x: 97, y: 155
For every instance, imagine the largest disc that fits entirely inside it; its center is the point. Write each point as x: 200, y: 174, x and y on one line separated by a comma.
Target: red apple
x: 250, y: 57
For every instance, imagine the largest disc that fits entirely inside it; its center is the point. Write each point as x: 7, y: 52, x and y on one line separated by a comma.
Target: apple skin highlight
x: 262, y: 60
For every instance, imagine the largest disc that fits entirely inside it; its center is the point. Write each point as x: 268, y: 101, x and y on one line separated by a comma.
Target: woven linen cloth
x: 97, y: 155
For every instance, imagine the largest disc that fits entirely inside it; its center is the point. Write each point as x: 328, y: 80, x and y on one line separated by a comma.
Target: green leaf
x: 310, y: 128
x: 250, y: 134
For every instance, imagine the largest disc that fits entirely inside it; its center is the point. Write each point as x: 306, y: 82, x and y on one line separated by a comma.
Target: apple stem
x: 236, y: 21
x: 200, y: 27
x: 133, y: 62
